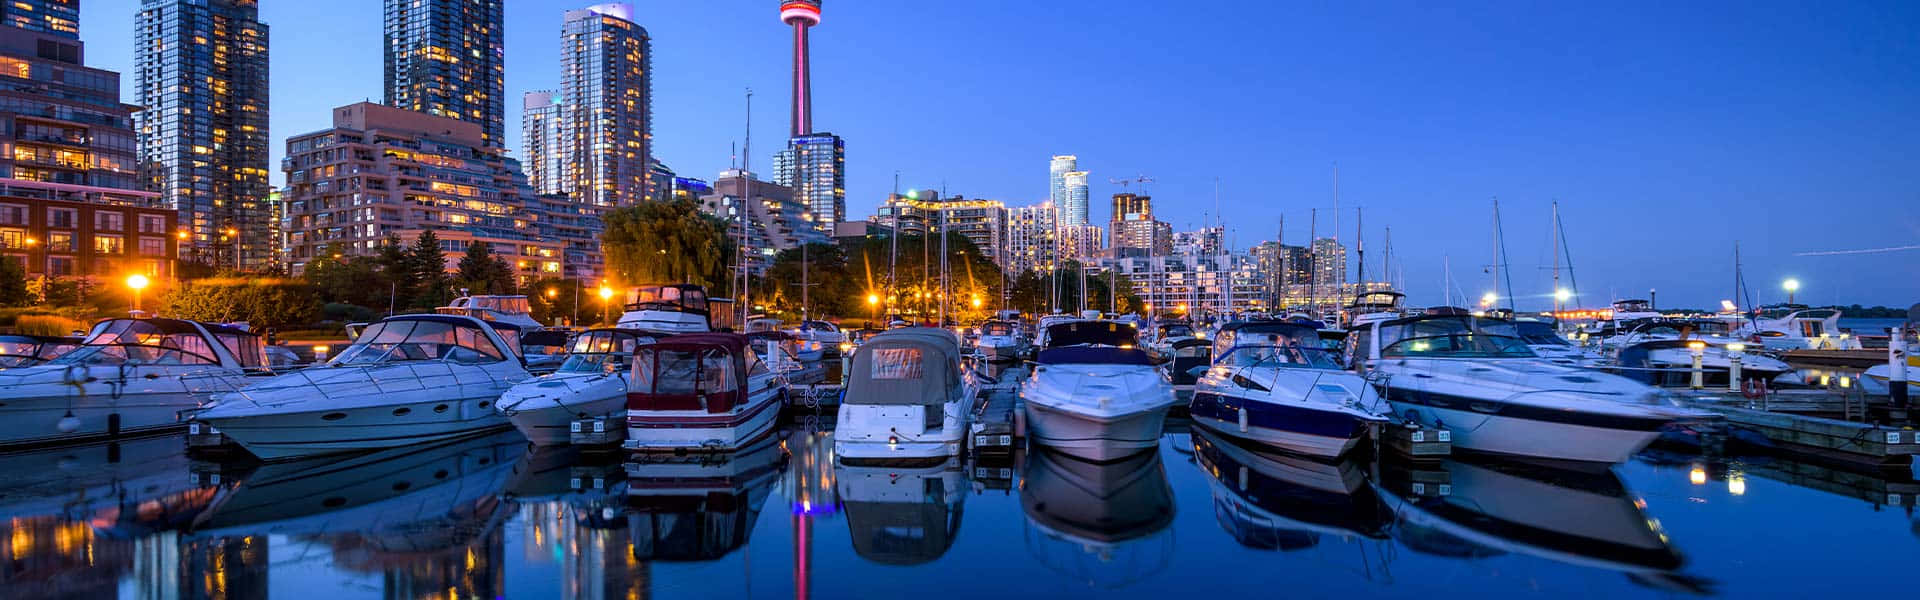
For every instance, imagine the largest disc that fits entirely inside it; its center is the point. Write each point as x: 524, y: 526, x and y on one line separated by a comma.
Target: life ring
x: 1753, y: 389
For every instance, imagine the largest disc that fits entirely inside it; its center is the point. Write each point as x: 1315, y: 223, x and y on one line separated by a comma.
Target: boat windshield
x: 667, y: 297
x: 1177, y: 330
x: 129, y: 341
x: 1092, y: 333
x: 1536, y: 333
x: 819, y: 326
x: 996, y: 328
x: 1453, y: 337
x: 23, y: 351
x: 599, y: 352
x: 684, y: 371
x: 1279, y: 356
x: 420, y: 340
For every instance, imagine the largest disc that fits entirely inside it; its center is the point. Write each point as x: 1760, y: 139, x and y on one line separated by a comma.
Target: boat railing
x: 347, y: 381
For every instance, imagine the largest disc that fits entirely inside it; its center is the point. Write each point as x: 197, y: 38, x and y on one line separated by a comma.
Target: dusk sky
x: 1667, y: 131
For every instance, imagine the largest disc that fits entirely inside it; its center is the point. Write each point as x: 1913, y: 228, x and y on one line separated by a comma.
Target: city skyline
x: 1610, y: 142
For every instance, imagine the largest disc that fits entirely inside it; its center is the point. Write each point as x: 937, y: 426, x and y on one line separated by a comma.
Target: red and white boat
x: 700, y: 391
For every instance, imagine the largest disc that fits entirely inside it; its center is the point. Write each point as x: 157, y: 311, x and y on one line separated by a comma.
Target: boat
x: 1878, y: 379
x: 406, y: 380
x: 1660, y: 352
x: 1475, y: 377
x: 796, y: 360
x: 1581, y: 517
x: 1094, y: 394
x: 130, y: 376
x: 1108, y: 524
x: 1373, y: 307
x: 514, y: 310
x: 1277, y: 501
x: 908, y: 398
x: 701, y: 391
x: 668, y: 309
x: 544, y: 350
x: 1001, y: 341
x: 30, y: 350
x: 1795, y: 327
x: 1184, y: 357
x: 591, y: 384
x: 1164, y: 335
x: 1271, y: 383
x: 699, y: 507
x: 900, y: 515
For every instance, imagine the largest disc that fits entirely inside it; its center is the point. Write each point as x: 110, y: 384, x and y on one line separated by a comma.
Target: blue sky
x: 1667, y: 131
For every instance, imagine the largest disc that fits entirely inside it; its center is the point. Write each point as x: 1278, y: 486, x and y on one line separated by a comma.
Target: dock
x: 1417, y: 442
x: 997, y: 421
x: 1815, y: 424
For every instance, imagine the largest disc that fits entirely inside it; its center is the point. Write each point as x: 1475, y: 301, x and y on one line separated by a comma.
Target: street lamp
x: 137, y: 282
x: 1487, y: 300
x: 606, y: 303
x: 1560, y: 298
x: 873, y: 308
x: 1792, y: 285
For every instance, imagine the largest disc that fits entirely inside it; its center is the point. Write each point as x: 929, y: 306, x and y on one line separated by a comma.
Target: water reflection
x: 699, y: 507
x: 901, y: 515
x: 1582, y: 517
x: 1105, y: 523
x: 571, y: 513
x: 1270, y: 500
x: 78, y: 520
x: 425, y: 520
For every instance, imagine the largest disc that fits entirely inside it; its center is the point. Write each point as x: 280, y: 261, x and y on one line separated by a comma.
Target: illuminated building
x: 447, y: 58
x: 1205, y: 283
x: 1329, y: 262
x: 1084, y: 243
x: 202, y: 68
x: 775, y: 220
x: 1061, y: 192
x: 607, y: 115
x: 815, y: 167
x: 803, y: 15
x: 1033, y: 238
x: 1135, y: 232
x: 1211, y: 240
x: 54, y: 17
x: 690, y: 189
x: 384, y: 171
x: 543, y: 135
x: 924, y: 212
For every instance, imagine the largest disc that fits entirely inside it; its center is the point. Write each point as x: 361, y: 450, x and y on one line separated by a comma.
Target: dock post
x: 1897, y: 366
x: 1699, y: 352
x: 1735, y: 349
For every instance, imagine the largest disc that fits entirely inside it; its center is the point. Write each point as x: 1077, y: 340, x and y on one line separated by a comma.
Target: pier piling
x: 1897, y: 366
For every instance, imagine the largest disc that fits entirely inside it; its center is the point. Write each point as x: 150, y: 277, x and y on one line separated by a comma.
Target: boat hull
x: 290, y: 434
x: 545, y: 415
x: 1302, y: 430
x: 649, y: 431
x: 1095, y: 437
x: 35, y: 422
x: 1548, y: 434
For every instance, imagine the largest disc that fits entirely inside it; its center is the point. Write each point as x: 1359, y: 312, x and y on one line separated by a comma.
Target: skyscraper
x: 1032, y: 238
x: 814, y: 164
x: 53, y: 17
x: 448, y: 58
x: 1135, y: 232
x: 202, y: 68
x: 543, y: 130
x: 1073, y: 211
x: 815, y: 167
x: 606, y: 80
x: 1329, y: 262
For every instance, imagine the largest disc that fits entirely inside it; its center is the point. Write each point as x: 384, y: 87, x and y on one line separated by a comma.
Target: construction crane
x: 1143, y: 180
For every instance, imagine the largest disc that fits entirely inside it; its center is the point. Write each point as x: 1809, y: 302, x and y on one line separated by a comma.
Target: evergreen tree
x: 13, y: 284
x: 428, y: 268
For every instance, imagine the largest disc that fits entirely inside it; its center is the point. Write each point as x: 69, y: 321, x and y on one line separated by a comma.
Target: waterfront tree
x: 666, y: 242
x: 482, y: 272
x: 13, y: 284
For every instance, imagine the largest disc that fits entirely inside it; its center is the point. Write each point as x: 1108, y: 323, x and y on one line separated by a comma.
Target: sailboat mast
x: 1556, y: 259
x: 1360, y: 244
x: 746, y: 197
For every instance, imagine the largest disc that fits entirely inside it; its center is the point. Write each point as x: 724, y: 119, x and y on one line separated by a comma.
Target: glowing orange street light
x: 606, y: 303
x: 137, y: 282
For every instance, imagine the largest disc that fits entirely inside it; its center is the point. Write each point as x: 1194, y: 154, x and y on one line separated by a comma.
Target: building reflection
x: 810, y: 494
x: 571, y: 514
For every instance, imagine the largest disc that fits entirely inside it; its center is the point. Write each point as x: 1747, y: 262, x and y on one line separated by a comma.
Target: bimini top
x: 1443, y: 336
x: 167, y: 341
x: 695, y: 371
x: 1264, y: 333
x: 904, y: 367
x: 452, y: 338
x: 685, y: 297
x: 1094, y: 355
x: 1092, y: 333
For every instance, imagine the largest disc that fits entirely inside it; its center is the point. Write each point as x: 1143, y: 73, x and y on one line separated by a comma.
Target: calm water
x: 1199, y: 518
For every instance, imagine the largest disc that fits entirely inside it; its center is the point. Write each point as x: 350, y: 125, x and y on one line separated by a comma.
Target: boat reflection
x: 77, y: 519
x: 1585, y: 518
x: 571, y: 513
x: 1270, y: 500
x: 1104, y: 523
x: 427, y: 519
x: 699, y: 507
x: 901, y: 515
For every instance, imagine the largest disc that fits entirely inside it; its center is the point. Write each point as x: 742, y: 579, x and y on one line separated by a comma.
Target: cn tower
x: 802, y: 15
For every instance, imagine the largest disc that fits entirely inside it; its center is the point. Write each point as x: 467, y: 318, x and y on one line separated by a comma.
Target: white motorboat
x: 702, y: 392
x: 908, y: 398
x: 1107, y: 524
x: 1372, y: 307
x: 29, y: 350
x: 1001, y: 341
x: 129, y: 377
x: 591, y: 384
x: 1586, y: 518
x: 1093, y: 394
x: 406, y: 380
x: 1163, y: 336
x: 1185, y: 357
x: 513, y: 310
x: 1271, y: 383
x: 545, y: 350
x: 1877, y: 379
x: 900, y: 515
x: 701, y: 507
x: 1475, y: 377
x: 1796, y: 327
x: 1278, y: 501
x: 667, y: 309
x: 823, y: 333
x: 1660, y: 352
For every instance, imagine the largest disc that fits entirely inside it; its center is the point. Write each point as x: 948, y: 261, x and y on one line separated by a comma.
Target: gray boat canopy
x: 917, y: 365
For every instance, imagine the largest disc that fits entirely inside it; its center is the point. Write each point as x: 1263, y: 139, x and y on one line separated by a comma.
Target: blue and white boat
x: 1273, y: 384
